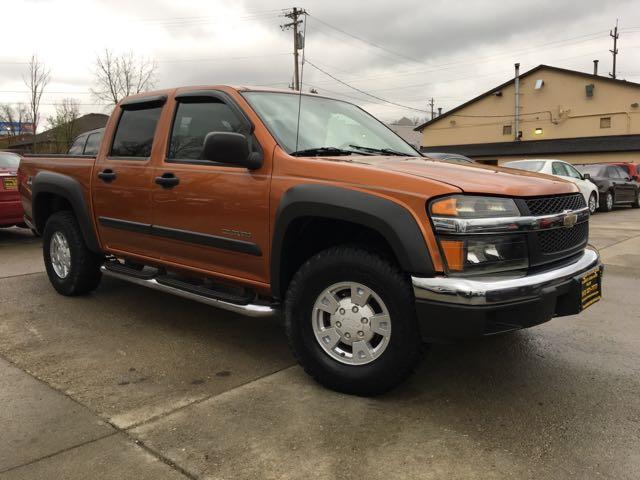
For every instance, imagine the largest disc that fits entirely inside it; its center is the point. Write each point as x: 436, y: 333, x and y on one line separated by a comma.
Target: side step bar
x: 249, y: 310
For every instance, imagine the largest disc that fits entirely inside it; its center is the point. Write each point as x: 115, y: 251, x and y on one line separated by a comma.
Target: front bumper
x: 450, y: 307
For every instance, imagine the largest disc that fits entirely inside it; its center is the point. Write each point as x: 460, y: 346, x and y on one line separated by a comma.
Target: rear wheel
x: 72, y: 268
x: 606, y: 202
x: 636, y: 202
x: 351, y: 321
x: 593, y: 203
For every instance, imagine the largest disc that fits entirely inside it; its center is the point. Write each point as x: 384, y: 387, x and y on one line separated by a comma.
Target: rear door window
x: 135, y: 132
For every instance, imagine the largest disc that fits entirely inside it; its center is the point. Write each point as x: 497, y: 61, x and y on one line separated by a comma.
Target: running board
x: 249, y: 310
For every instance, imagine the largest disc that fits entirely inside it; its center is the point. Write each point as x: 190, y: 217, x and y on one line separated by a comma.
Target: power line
x: 363, y: 92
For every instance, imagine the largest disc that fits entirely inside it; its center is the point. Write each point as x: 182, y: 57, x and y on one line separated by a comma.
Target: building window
x: 506, y: 129
x: 605, y: 122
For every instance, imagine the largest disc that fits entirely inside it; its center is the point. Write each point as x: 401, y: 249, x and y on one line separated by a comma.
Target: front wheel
x: 72, y: 268
x: 593, y: 203
x: 606, y: 202
x: 351, y: 321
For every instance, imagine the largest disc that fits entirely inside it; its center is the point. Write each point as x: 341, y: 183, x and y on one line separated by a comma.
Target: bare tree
x: 15, y: 117
x: 118, y: 76
x: 64, y: 123
x: 36, y: 81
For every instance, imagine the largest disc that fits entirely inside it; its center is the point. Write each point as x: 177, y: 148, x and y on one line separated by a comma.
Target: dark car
x: 615, y: 185
x: 448, y: 157
x: 88, y: 143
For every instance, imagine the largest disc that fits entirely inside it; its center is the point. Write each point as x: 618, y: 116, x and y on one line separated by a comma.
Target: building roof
x: 590, y: 76
x: 90, y: 121
x: 607, y: 143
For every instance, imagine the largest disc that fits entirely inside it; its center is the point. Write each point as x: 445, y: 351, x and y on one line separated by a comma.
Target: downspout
x: 516, y: 115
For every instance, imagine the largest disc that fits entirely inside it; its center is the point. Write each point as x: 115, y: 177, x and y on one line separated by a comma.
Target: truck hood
x: 472, y: 178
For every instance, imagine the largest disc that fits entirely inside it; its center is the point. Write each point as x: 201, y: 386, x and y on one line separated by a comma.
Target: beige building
x: 564, y: 114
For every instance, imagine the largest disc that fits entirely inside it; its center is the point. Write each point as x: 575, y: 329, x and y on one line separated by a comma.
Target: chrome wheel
x: 593, y: 204
x: 60, y: 254
x: 609, y: 201
x: 351, y: 323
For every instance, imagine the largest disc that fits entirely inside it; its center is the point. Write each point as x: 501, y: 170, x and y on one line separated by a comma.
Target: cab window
x: 194, y: 120
x: 93, y: 144
x: 77, y: 147
x: 135, y: 131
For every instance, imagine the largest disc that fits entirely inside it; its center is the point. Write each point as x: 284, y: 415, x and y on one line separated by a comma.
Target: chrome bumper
x: 491, y: 290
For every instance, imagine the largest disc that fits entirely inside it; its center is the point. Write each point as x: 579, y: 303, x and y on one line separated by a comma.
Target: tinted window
x: 613, y: 172
x: 558, y: 168
x: 593, y: 170
x: 134, y: 135
x: 77, y: 146
x: 192, y: 123
x: 528, y: 165
x: 93, y: 144
x: 621, y: 172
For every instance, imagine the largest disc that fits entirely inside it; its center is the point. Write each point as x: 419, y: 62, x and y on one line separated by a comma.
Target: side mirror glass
x: 586, y: 176
x: 231, y: 148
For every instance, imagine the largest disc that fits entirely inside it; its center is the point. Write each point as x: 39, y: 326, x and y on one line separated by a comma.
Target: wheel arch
x: 382, y: 224
x: 53, y: 192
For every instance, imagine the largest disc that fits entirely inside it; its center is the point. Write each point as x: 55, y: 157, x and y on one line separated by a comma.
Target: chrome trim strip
x: 250, y: 310
x: 490, y: 290
x: 466, y: 226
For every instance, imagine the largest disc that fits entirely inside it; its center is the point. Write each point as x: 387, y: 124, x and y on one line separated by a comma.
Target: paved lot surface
x: 131, y: 383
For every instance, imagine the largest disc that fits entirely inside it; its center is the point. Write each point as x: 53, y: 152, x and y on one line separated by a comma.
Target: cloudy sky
x: 404, y: 52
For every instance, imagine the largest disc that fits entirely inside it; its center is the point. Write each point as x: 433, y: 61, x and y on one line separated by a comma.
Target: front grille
x: 561, y: 239
x: 551, y: 205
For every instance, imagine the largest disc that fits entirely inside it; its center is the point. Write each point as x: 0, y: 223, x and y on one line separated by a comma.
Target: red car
x: 632, y: 169
x: 10, y: 206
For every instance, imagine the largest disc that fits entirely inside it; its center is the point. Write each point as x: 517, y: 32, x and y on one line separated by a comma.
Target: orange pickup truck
x: 260, y: 201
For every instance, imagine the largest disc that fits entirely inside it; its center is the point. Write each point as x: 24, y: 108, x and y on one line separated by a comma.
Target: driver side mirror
x: 586, y: 176
x: 231, y: 148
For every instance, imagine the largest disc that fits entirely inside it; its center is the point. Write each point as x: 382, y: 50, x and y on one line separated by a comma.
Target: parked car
x: 258, y: 201
x: 10, y: 205
x: 614, y: 184
x: 448, y: 157
x: 632, y: 169
x: 561, y: 169
x: 87, y: 143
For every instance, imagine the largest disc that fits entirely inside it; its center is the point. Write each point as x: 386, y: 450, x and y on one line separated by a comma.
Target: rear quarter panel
x: 78, y: 168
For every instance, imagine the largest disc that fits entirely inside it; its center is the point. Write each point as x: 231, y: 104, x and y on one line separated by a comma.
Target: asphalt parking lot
x: 131, y: 383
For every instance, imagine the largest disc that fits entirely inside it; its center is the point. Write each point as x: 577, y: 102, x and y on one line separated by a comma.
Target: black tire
x: 606, y: 206
x: 84, y: 271
x: 593, y: 200
x: 636, y: 202
x: 353, y: 264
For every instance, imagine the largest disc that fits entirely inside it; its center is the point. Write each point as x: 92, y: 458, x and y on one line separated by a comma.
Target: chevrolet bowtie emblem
x: 570, y: 219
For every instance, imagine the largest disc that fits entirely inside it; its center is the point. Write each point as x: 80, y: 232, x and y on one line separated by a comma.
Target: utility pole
x: 294, y: 15
x: 431, y: 104
x: 614, y: 34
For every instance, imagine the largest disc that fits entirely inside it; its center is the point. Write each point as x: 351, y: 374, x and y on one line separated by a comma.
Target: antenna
x: 304, y: 36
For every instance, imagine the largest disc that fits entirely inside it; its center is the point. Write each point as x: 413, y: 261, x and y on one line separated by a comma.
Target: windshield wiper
x: 385, y: 151
x: 314, y: 152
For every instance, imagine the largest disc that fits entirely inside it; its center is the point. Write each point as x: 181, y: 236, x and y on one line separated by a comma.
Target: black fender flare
x: 71, y: 190
x: 394, y: 222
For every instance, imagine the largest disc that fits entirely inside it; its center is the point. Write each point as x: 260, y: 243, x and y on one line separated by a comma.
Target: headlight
x: 467, y: 253
x: 469, y: 206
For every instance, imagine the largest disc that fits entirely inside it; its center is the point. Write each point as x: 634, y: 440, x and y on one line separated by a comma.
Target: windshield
x: 528, y: 165
x: 593, y: 170
x: 9, y: 160
x: 324, y: 124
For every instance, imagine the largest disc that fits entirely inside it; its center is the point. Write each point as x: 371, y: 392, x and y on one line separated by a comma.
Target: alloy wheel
x: 351, y: 323
x: 60, y: 254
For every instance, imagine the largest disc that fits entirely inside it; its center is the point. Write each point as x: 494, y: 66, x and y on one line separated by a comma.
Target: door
x: 121, y: 188
x: 211, y: 216
x: 624, y: 188
x: 585, y: 186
